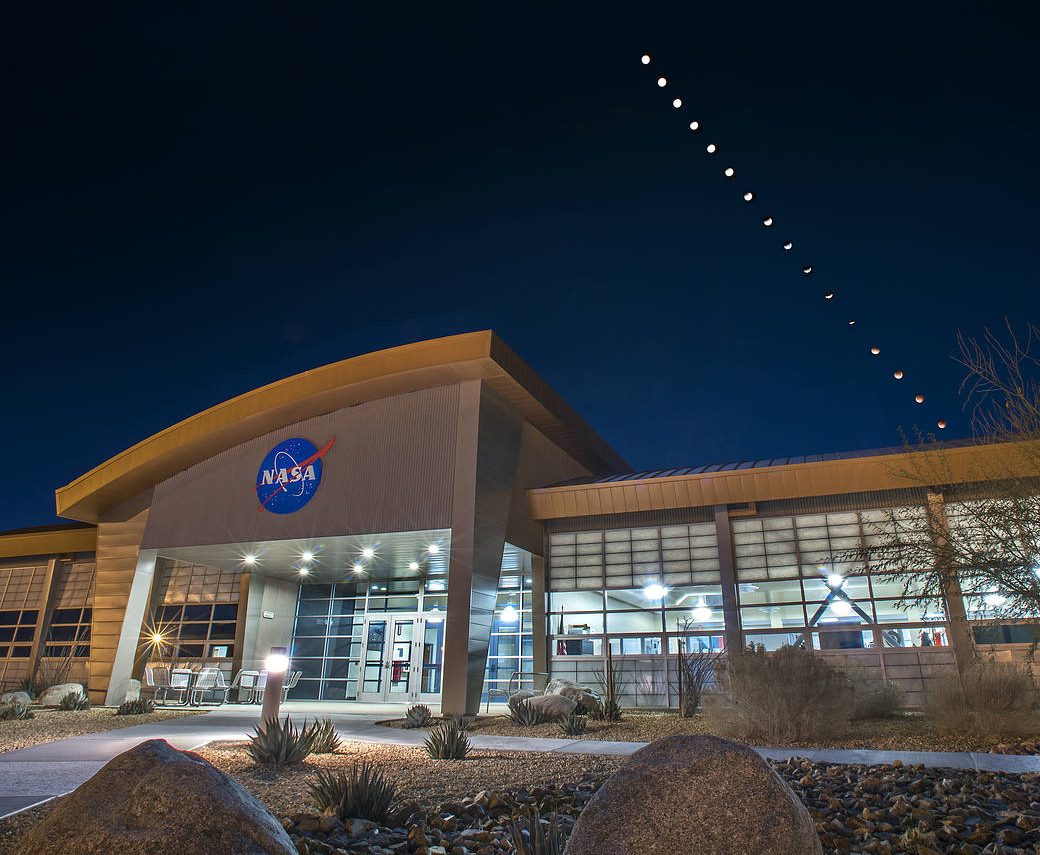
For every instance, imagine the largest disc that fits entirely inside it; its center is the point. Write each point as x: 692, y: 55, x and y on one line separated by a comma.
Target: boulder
x: 582, y: 696
x: 697, y: 794
x: 52, y: 697
x: 133, y: 690
x: 520, y: 695
x: 552, y: 706
x: 156, y: 800
x: 11, y: 698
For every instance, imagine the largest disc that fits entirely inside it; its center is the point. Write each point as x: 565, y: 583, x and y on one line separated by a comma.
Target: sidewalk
x: 30, y: 776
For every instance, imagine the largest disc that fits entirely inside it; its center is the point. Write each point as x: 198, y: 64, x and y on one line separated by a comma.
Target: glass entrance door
x: 401, y: 659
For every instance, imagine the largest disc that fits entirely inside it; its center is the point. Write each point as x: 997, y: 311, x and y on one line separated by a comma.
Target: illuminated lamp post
x: 276, y: 664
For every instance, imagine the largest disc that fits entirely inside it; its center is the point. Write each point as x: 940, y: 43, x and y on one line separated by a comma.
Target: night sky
x: 204, y: 199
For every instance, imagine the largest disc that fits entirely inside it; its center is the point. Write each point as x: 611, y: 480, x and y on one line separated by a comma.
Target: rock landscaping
x: 48, y: 725
x: 468, y: 807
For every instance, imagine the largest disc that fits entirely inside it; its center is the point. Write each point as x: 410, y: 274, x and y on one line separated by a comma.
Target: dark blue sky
x: 204, y: 199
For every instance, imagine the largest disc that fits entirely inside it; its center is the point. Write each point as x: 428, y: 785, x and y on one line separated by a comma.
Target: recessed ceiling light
x: 368, y: 552
x: 359, y: 568
x: 413, y: 565
x: 250, y: 560
x: 307, y: 556
x: 304, y: 571
x: 433, y: 549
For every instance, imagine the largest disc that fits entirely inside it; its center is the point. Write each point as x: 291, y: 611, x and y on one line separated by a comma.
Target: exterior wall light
x: 842, y: 608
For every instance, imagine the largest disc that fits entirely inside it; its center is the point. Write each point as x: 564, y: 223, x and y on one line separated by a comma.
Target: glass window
x: 774, y: 640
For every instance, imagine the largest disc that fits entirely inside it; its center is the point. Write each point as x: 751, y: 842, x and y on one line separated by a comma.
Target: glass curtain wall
x: 791, y: 592
x: 512, y: 644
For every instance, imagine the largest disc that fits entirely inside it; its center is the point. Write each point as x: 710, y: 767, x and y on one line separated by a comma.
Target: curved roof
x: 408, y: 368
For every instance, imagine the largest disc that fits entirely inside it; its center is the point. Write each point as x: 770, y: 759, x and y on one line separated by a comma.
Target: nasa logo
x: 290, y: 475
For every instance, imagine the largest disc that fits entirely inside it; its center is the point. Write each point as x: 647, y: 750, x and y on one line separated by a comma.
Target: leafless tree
x: 695, y: 671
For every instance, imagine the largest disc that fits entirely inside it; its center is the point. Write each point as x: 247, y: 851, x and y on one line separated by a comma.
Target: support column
x: 728, y: 579
x: 962, y: 639
x: 125, y: 653
x: 539, y: 634
x: 487, y: 451
x: 244, y: 581
x: 43, y: 623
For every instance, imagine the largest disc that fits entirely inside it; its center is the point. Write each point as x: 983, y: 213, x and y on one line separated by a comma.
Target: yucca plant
x: 140, y: 706
x: 536, y: 839
x: 279, y: 744
x: 573, y: 724
x: 523, y: 714
x: 461, y: 722
x: 448, y: 742
x: 16, y: 712
x: 417, y: 715
x: 323, y: 736
x: 365, y: 793
x: 74, y: 702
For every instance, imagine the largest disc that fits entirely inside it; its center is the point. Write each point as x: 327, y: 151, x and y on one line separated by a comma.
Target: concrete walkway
x: 30, y: 776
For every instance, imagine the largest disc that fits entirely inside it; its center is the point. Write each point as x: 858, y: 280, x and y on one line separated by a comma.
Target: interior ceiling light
x: 645, y: 59
x: 941, y: 424
x: 711, y: 148
x: 749, y: 196
x: 435, y: 616
x: 509, y: 615
x: 728, y: 172
x: 842, y: 608
x: 655, y: 591
x: 995, y: 600
x: 695, y: 126
x: 368, y: 552
x: 898, y: 374
x: 767, y: 222
x: 662, y: 82
x: 701, y: 613
x: 677, y: 103
x: 789, y: 246
x: 919, y: 399
x: 835, y: 580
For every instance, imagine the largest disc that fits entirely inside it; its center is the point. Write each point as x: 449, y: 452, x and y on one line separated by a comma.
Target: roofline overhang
x: 933, y: 468
x: 59, y: 540
x: 394, y: 371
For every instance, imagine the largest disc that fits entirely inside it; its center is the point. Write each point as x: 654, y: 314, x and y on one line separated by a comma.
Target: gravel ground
x: 467, y: 805
x: 49, y: 725
x: 901, y: 733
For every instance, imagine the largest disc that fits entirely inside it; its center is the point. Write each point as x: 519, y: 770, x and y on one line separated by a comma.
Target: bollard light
x: 276, y: 664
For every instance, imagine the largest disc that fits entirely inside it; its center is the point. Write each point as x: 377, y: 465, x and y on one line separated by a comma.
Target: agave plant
x: 74, y: 702
x: 573, y: 724
x: 141, y: 706
x: 522, y: 713
x: 536, y: 839
x: 448, y: 742
x: 15, y: 712
x: 417, y: 715
x: 365, y: 793
x: 323, y: 736
x: 278, y: 744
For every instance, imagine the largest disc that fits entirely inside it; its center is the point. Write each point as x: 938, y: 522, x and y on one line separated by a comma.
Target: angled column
x: 486, y: 457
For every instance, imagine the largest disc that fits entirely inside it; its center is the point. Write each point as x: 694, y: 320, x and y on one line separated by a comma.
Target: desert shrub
x: 523, y: 714
x: 612, y: 683
x: 461, y: 722
x: 573, y: 724
x: 73, y: 702
x: 279, y: 743
x: 365, y: 793
x: 448, y: 742
x: 874, y: 698
x: 535, y: 838
x: 417, y: 715
x: 781, y: 697
x: 990, y: 700
x: 323, y: 736
x: 141, y: 706
x: 695, y: 671
x: 15, y: 712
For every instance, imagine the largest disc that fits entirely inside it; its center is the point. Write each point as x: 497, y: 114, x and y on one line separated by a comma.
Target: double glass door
x: 401, y: 658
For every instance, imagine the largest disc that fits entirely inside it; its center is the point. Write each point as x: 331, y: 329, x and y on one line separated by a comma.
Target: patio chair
x: 209, y: 681
x: 160, y: 680
x: 291, y: 679
x: 249, y: 685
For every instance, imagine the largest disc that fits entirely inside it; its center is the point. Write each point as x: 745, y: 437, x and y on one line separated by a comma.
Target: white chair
x: 208, y: 681
x: 161, y: 681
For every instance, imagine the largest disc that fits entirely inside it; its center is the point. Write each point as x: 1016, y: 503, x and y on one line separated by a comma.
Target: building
x: 419, y: 523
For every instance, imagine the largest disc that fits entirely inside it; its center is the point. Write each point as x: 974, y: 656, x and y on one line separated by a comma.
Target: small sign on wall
x: 268, y: 615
